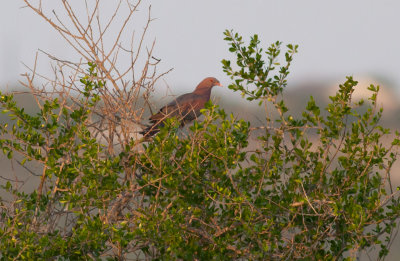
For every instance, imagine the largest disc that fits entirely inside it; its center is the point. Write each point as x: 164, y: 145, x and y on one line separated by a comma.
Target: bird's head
x: 208, y: 83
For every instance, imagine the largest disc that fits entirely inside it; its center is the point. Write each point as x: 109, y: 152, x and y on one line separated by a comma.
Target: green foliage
x: 254, y: 71
x: 312, y: 187
x: 75, y: 179
x: 187, y: 181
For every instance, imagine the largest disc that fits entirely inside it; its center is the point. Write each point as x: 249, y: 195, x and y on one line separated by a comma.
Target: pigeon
x: 185, y: 107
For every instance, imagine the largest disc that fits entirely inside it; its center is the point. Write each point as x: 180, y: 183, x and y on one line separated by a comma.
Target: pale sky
x: 336, y: 38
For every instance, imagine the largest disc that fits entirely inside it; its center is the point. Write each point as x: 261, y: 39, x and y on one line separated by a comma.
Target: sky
x: 335, y: 38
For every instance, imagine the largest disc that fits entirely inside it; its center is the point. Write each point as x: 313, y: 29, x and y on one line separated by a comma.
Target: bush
x: 312, y: 187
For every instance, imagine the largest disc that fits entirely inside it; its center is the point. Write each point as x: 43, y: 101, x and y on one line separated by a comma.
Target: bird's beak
x: 219, y: 84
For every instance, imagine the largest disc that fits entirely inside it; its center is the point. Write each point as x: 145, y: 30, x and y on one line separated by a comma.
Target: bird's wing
x: 181, y: 106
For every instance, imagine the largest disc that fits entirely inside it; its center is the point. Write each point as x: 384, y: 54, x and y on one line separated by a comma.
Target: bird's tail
x: 151, y: 130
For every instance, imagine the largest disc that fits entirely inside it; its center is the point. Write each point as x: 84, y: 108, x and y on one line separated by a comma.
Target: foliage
x: 77, y: 177
x: 312, y: 187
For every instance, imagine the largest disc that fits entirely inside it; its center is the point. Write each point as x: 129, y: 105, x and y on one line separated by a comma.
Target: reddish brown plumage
x: 185, y: 107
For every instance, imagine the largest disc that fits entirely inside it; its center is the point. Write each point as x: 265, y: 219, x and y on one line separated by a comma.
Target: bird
x: 185, y: 107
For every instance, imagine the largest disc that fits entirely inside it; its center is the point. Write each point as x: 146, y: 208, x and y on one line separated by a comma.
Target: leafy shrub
x: 312, y: 187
